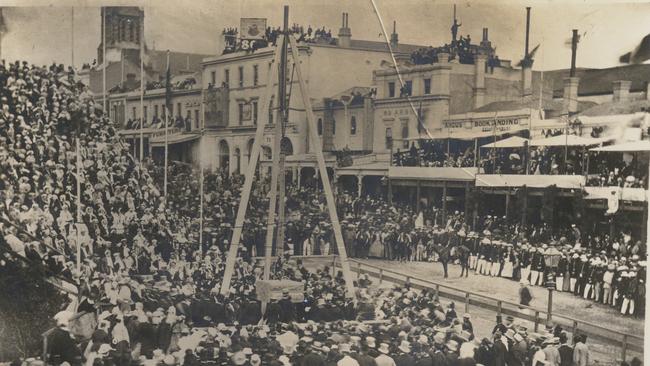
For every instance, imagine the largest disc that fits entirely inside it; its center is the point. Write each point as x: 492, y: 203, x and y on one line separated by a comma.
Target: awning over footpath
x: 159, y: 141
x: 430, y: 173
x: 510, y: 142
x: 530, y: 181
x: 568, y: 140
x: 626, y: 194
x: 633, y: 146
x: 378, y: 168
x: 136, y: 132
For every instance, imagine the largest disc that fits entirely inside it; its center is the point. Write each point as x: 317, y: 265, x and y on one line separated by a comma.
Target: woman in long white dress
x: 376, y: 247
x: 507, y: 270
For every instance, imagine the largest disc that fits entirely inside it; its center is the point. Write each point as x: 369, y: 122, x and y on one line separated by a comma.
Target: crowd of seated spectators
x: 184, y: 123
x: 608, y: 170
x: 431, y: 154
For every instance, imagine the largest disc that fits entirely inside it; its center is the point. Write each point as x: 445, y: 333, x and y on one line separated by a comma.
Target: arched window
x: 319, y: 128
x: 249, y: 150
x: 237, y: 161
x: 405, y: 134
x: 224, y: 155
x: 286, y: 146
x: 353, y: 125
x: 131, y: 31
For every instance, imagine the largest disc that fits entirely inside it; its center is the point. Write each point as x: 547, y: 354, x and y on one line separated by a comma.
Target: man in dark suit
x: 404, y: 358
x: 287, y: 311
x: 61, y: 346
x: 363, y: 358
x: 311, y: 357
x: 250, y: 312
x: 272, y: 312
x: 566, y: 351
x: 500, y: 350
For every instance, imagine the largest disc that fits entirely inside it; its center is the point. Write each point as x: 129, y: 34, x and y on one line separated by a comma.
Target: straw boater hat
x: 452, y: 345
x: 383, y: 348
x: 370, y: 341
x: 405, y: 346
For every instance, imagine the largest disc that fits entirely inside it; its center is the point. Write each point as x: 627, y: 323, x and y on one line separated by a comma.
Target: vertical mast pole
x: 284, y: 114
x: 318, y: 149
x: 142, y: 121
x: 166, y: 128
x: 270, y: 223
x: 250, y: 175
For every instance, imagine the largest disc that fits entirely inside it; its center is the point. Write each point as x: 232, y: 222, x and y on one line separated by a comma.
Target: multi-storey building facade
x: 239, y: 81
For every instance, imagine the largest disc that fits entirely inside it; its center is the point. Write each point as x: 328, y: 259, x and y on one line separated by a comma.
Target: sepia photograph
x: 324, y: 183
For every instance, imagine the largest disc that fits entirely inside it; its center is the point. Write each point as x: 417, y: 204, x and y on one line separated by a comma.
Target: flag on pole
x: 3, y: 23
x: 168, y: 99
x: 641, y: 53
x: 168, y: 86
x: 420, y: 122
x: 569, y: 41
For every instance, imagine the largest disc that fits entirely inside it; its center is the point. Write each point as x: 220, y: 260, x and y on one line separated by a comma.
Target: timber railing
x: 623, y: 340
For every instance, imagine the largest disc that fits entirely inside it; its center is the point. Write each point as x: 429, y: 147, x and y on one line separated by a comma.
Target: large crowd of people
x: 271, y: 35
x: 77, y: 207
x: 604, y: 169
x: 434, y: 153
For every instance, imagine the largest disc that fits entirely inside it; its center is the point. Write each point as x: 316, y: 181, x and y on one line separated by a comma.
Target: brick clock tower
x: 123, y: 26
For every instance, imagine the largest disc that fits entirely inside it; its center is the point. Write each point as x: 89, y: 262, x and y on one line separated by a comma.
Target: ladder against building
x: 278, y: 74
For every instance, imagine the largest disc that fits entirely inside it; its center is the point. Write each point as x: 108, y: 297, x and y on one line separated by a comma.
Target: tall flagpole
x: 494, y: 150
x: 78, y: 147
x: 201, y: 166
x: 72, y: 37
x: 142, y: 121
x: 271, y: 218
x: 530, y: 121
x: 201, y: 196
x: 648, y: 207
x: 78, y: 207
x: 283, y: 114
x: 2, y: 30
x: 104, y: 61
x: 166, y: 125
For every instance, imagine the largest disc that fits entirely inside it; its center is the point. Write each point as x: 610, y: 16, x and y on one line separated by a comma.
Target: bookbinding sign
x: 482, y: 127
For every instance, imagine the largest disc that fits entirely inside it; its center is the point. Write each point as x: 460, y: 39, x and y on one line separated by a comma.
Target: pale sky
x: 42, y: 33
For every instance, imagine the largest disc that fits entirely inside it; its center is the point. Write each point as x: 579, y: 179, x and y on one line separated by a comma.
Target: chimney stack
x: 393, y: 37
x: 485, y: 42
x: 526, y: 69
x: 621, y: 90
x: 574, y: 51
x: 479, y: 78
x: 527, y: 30
x: 345, y: 34
x: 570, y: 96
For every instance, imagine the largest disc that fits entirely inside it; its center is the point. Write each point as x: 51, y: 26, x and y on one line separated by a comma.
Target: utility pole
x: 72, y: 37
x: 281, y: 122
x: 276, y: 173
